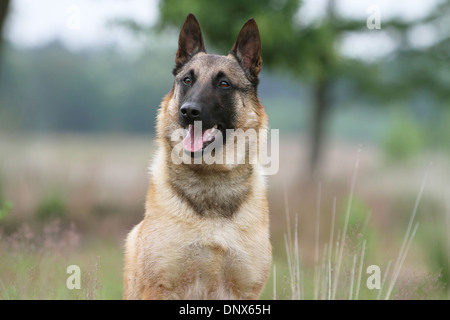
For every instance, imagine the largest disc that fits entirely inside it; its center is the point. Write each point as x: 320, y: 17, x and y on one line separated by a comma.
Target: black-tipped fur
x: 247, y: 50
x: 190, y: 42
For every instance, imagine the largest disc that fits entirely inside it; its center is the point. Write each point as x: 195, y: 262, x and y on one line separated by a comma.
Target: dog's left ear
x: 247, y: 49
x: 190, y: 41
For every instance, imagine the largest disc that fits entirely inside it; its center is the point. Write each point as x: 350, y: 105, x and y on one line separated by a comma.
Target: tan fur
x: 205, y: 233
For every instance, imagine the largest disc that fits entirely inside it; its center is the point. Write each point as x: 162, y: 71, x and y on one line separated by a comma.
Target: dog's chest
x: 208, y: 262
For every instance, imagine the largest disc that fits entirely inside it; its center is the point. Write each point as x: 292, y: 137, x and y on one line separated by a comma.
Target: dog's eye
x: 224, y: 84
x: 187, y: 80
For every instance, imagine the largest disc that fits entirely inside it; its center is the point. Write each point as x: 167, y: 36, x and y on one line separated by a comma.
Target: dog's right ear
x: 190, y: 41
x: 247, y: 50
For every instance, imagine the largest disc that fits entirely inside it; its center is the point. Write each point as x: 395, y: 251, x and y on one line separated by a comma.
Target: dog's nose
x: 190, y: 111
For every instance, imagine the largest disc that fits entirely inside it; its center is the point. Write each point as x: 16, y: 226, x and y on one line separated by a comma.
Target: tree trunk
x: 4, y: 5
x: 320, y: 114
x: 321, y: 103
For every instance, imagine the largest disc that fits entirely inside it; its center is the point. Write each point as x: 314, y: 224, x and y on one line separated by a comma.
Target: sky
x: 84, y: 23
x: 77, y: 23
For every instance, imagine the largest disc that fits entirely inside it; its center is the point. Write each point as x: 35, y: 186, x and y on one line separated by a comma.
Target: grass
x: 5, y: 209
x: 34, y: 266
x: 339, y: 272
x: 323, y: 240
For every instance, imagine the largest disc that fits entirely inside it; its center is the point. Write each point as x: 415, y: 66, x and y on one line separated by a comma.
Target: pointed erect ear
x: 247, y: 49
x: 190, y: 41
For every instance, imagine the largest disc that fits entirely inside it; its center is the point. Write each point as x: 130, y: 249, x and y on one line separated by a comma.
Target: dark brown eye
x: 224, y: 84
x: 187, y: 80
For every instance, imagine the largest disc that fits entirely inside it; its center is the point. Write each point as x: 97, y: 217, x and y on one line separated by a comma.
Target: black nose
x: 190, y: 111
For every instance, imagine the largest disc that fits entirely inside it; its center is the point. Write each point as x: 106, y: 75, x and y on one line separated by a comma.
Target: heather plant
x: 343, y: 270
x: 32, y: 264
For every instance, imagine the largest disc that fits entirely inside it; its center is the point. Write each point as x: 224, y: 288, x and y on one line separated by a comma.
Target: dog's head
x: 220, y: 92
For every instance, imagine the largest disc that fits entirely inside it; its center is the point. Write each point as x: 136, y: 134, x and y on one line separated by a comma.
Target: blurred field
x: 75, y: 197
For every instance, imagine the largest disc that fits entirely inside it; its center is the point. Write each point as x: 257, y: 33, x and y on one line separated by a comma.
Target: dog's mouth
x: 195, y: 141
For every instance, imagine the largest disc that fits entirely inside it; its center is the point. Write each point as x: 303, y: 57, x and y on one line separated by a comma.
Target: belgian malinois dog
x: 205, y: 233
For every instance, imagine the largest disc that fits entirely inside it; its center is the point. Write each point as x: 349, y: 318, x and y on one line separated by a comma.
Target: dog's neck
x: 207, y: 189
x: 211, y: 192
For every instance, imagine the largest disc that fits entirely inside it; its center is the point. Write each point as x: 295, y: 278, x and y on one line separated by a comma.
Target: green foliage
x: 5, y: 208
x: 286, y: 46
x: 9, y: 293
x: 435, y: 238
x: 51, y: 206
x: 404, y: 138
x: 310, y: 50
x: 359, y: 211
x: 359, y: 225
x: 40, y: 274
x: 439, y: 258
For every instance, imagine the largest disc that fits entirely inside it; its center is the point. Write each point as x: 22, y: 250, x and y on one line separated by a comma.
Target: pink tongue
x: 191, y: 142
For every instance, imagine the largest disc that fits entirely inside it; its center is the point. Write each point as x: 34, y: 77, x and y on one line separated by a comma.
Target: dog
x: 205, y: 233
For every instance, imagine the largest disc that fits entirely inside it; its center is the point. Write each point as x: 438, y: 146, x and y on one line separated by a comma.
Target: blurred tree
x: 414, y: 76
x: 51, y: 88
x: 4, y: 8
x: 36, y: 89
x: 418, y: 68
x: 307, y: 51
x: 311, y: 50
